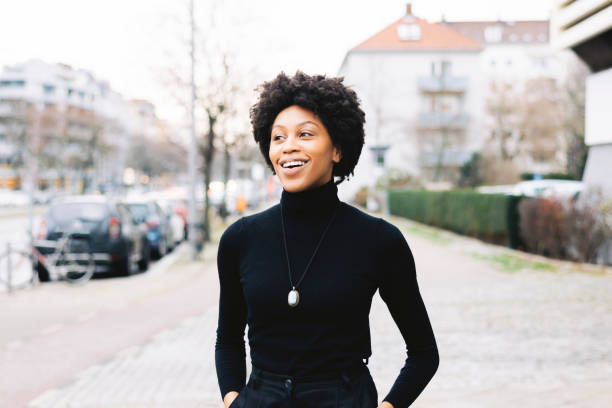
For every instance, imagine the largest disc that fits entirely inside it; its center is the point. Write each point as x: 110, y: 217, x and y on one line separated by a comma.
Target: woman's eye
x: 276, y: 137
x: 306, y: 134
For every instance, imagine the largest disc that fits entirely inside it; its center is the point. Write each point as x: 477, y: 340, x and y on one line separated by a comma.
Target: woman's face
x: 299, y: 136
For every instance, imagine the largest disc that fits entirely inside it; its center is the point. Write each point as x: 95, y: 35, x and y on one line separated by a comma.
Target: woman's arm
x: 230, y: 355
x: 399, y: 289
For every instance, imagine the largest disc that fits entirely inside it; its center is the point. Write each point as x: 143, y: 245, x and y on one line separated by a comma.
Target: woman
x: 303, y: 272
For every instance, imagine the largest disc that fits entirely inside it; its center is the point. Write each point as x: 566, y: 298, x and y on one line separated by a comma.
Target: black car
x: 116, y: 240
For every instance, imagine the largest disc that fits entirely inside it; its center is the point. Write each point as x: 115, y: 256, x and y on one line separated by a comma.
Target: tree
x: 573, y: 99
x: 539, y: 118
x: 83, y: 142
x: 220, y: 83
x: 471, y: 173
x: 525, y: 121
x: 155, y: 157
x: 502, y: 105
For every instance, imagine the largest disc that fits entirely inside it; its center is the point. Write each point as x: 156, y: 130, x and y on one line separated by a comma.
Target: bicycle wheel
x: 75, y: 263
x: 16, y: 269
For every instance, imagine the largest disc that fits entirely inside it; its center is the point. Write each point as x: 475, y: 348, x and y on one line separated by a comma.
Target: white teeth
x: 293, y: 163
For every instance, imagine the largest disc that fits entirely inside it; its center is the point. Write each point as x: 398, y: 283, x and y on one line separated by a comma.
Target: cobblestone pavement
x: 512, y: 332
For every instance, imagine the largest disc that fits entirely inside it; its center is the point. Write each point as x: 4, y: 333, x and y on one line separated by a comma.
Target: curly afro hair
x: 328, y: 98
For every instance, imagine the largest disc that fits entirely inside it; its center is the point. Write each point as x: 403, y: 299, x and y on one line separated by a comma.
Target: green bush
x: 491, y: 217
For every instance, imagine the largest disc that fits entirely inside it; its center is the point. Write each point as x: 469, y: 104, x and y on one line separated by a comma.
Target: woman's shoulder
x: 362, y: 218
x: 245, y: 223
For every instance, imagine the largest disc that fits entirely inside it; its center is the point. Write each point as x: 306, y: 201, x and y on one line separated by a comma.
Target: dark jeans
x: 349, y: 389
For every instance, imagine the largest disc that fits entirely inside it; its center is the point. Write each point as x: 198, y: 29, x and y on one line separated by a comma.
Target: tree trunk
x: 208, y: 160
x: 227, y: 167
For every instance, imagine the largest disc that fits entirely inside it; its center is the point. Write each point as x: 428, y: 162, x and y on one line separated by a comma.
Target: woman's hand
x: 385, y: 404
x: 229, y: 398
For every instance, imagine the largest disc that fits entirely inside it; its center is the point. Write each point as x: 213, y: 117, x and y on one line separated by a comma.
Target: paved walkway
x: 513, y: 331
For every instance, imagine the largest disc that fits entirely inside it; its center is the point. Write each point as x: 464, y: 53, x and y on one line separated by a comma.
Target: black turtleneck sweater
x: 329, y: 329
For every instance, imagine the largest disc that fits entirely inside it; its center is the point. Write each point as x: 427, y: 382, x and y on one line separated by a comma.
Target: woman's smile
x: 294, y: 169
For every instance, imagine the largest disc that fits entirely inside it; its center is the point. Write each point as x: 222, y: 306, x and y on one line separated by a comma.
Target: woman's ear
x: 337, y: 155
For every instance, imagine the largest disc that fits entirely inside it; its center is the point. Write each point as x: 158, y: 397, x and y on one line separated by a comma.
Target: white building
x: 420, y: 89
x: 585, y: 27
x: 64, y: 89
x: 425, y: 88
x: 519, y: 53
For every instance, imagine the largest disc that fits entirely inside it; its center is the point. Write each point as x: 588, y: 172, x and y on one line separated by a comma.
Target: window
x: 441, y: 68
x: 409, y: 32
x: 49, y: 89
x: 493, y: 34
x: 15, y: 83
x: 446, y: 68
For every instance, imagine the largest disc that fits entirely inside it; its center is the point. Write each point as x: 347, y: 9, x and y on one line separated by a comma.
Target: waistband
x: 345, y: 374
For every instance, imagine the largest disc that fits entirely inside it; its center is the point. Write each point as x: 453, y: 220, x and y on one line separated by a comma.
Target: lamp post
x: 192, y: 217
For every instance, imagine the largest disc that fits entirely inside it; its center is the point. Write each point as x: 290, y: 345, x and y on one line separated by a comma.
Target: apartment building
x: 61, y: 109
x: 585, y: 27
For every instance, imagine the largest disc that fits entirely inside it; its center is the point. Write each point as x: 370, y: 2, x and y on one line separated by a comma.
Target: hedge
x: 491, y: 217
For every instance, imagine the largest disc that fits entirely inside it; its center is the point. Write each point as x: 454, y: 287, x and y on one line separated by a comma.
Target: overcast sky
x: 130, y: 42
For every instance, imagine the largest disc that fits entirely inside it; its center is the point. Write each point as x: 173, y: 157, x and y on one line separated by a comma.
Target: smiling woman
x: 302, y: 273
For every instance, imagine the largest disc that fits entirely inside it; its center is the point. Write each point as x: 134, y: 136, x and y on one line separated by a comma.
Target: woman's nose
x: 290, y: 144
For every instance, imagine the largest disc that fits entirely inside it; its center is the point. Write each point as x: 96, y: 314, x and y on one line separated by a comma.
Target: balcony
x: 444, y: 84
x: 438, y: 120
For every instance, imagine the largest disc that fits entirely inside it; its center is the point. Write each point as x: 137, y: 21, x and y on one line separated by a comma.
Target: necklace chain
x: 313, y: 254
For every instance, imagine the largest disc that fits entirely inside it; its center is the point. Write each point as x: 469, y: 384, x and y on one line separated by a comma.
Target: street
x: 511, y: 332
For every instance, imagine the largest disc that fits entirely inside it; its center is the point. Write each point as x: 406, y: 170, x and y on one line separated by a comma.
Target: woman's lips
x: 290, y: 171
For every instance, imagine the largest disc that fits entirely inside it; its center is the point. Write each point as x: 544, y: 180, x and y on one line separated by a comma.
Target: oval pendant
x: 293, y: 298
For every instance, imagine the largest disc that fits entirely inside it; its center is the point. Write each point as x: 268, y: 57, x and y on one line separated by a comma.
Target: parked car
x: 175, y: 220
x: 117, y: 242
x: 548, y: 188
x: 157, y: 222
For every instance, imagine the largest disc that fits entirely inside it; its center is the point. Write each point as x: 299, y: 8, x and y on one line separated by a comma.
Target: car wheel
x: 124, y: 267
x: 143, y: 263
x: 43, y: 273
x: 163, y: 247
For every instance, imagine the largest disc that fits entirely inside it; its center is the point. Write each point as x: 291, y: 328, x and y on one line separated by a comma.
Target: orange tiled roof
x: 434, y: 36
x: 527, y: 31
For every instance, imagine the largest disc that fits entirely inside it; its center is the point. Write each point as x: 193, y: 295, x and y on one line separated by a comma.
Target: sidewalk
x: 510, y: 333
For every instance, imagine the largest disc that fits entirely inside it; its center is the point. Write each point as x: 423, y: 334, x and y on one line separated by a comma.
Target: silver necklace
x: 294, y: 296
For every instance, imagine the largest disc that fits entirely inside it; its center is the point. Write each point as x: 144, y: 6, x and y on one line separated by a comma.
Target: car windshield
x: 140, y: 211
x: 84, y: 211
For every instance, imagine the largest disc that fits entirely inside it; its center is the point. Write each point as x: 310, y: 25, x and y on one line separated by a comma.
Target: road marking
x: 51, y: 329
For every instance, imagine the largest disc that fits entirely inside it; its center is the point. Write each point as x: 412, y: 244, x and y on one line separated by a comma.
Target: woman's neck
x: 317, y: 200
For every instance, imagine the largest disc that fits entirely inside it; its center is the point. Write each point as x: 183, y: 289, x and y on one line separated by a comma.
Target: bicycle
x: 71, y: 260
x: 17, y: 268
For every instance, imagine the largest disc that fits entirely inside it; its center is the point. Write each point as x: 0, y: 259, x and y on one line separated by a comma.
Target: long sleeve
x: 230, y: 355
x: 399, y: 289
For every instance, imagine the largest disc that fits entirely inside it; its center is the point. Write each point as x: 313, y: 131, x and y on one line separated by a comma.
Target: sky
x: 132, y: 43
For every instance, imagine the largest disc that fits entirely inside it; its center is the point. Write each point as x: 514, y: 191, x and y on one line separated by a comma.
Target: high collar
x: 318, y: 200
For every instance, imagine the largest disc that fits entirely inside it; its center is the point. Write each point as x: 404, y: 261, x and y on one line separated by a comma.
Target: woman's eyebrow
x: 306, y: 122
